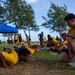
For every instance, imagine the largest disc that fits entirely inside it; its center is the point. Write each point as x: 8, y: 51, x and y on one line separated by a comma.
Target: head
x: 70, y: 19
x: 56, y: 36
x: 24, y: 57
x: 19, y: 34
x: 63, y: 36
x: 41, y: 32
x: 24, y: 54
x: 48, y: 36
x: 36, y: 48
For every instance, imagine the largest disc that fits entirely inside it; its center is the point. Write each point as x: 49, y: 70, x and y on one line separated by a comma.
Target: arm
x: 3, y: 61
x: 9, y: 48
x: 70, y: 35
x: 38, y: 35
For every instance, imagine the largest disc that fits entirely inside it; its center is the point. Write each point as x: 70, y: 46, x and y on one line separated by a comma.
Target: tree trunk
x: 27, y: 37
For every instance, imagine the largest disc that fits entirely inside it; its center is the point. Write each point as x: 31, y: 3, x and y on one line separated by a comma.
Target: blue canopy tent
x: 5, y: 29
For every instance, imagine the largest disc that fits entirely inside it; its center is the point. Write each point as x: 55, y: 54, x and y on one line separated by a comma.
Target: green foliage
x: 20, y: 14
x: 46, y: 56
x: 2, y: 15
x: 53, y: 60
x: 10, y: 45
x: 55, y: 21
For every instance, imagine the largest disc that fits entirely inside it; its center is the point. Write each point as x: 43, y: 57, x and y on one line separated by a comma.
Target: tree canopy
x: 20, y: 14
x: 55, y: 20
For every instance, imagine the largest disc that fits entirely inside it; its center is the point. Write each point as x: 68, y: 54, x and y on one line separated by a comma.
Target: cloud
x: 31, y: 1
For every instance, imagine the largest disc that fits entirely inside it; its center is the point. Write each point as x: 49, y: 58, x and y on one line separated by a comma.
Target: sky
x: 40, y: 8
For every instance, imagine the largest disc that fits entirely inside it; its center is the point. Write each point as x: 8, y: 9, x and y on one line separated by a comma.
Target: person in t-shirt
x: 41, y: 38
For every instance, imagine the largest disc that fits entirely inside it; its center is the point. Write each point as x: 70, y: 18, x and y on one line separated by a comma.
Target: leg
x: 71, y: 43
x: 64, y: 57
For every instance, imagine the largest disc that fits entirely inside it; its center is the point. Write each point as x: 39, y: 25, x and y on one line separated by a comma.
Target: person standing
x: 41, y: 38
x: 20, y: 38
x: 16, y: 38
